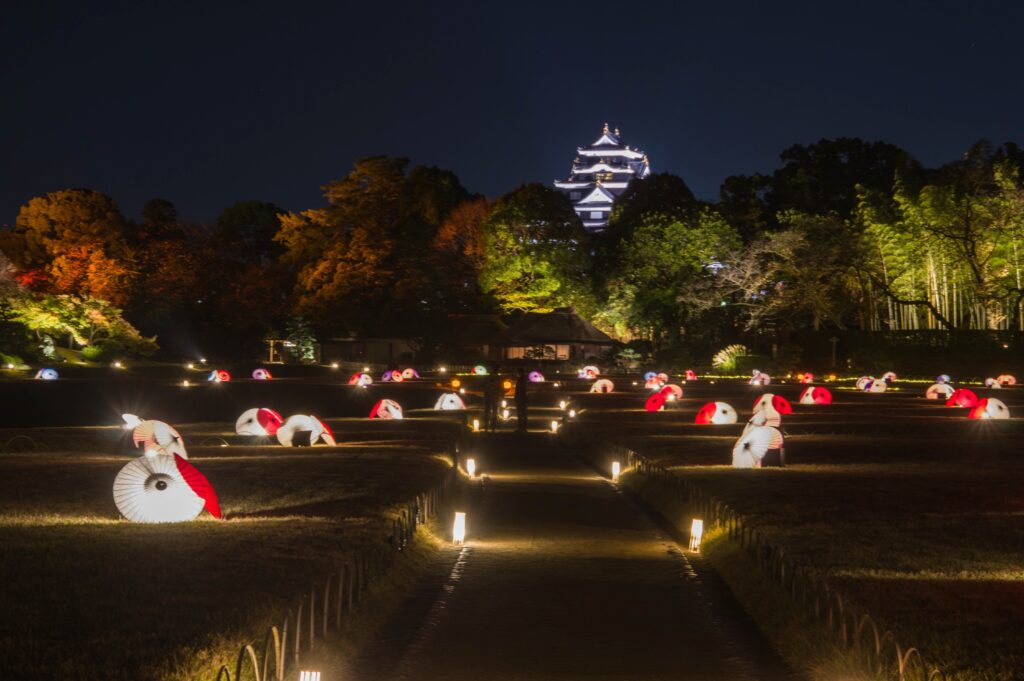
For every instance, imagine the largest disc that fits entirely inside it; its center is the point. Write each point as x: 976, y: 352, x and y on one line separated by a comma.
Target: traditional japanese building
x: 600, y: 173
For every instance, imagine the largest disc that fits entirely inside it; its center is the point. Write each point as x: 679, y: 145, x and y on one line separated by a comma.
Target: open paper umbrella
x: 362, y: 379
x: 716, y: 413
x: 449, y: 402
x: 589, y: 372
x: 163, y: 489
x: 938, y: 391
x: 656, y: 402
x: 759, y: 378
x: 261, y: 375
x: 649, y: 375
x: 691, y: 375
x: 989, y: 408
x: 258, y: 421
x: 386, y: 409
x: 816, y: 395
x: 889, y: 376
x: 410, y: 373
x: 993, y: 384
x: 776, y: 402
x: 156, y: 437
x: 673, y: 389
x: 46, y: 375
x: 864, y: 382
x: 479, y: 370
x: 962, y: 397
x: 535, y: 377
x: 302, y: 429
x: 943, y: 378
x: 751, y: 447
x: 662, y: 377
x: 602, y: 385
x: 806, y: 377
x: 1006, y: 379
x: 653, y: 383
x: 877, y: 387
x: 219, y: 376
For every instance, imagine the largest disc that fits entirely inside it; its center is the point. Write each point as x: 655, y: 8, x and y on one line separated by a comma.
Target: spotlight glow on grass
x: 471, y: 467
x: 696, y: 532
x: 616, y: 469
x: 459, y: 528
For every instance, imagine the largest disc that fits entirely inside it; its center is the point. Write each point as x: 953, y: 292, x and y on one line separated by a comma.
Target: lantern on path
x: 459, y: 528
x: 696, y: 533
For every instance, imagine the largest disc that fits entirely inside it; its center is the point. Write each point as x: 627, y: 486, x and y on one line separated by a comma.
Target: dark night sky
x: 208, y: 105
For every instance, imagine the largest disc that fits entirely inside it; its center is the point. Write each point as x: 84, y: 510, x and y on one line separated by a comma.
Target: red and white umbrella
x: 776, y: 402
x: 155, y: 437
x: 877, y: 387
x: 889, y: 376
x: 386, y: 409
x: 989, y: 408
x: 939, y: 391
x: 589, y: 372
x: 656, y: 402
x: 673, y: 389
x: 993, y: 383
x: 219, y: 376
x: 654, y: 383
x: 759, y: 378
x: 449, y: 402
x: 716, y: 413
x: 806, y: 377
x: 691, y: 375
x: 409, y: 373
x: 163, y: 489
x: 1006, y: 379
x: 816, y: 395
x: 602, y: 385
x: 962, y: 397
x: 864, y: 382
x: 360, y: 379
x: 311, y: 428
x: 751, y: 447
x: 261, y: 374
x: 258, y: 422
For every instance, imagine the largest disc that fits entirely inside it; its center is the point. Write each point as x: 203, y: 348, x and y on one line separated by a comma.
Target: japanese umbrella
x: 386, y: 409
x: 410, y: 373
x: 46, y: 375
x: 939, y: 390
x: 864, y: 382
x: 156, y: 437
x: 360, y: 379
x: 302, y: 423
x: 1006, y: 379
x: 449, y: 402
x: 889, y: 376
x: 674, y: 390
x: 691, y: 375
x: 993, y: 383
x: 261, y: 375
x: 989, y: 408
x: 650, y: 375
x: 759, y: 378
x: 653, y: 383
x: 962, y: 398
x: 751, y: 447
x: 816, y: 395
x: 479, y: 370
x: 535, y: 377
x: 602, y: 385
x: 393, y: 376
x: 877, y: 387
x: 656, y: 402
x: 258, y: 421
x: 715, y: 413
x: 163, y: 489
x: 943, y: 378
x: 590, y: 371
x: 219, y: 376
x: 806, y: 377
x: 663, y: 377
x: 777, y: 402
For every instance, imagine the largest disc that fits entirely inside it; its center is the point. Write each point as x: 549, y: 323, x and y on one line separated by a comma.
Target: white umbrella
x: 939, y: 391
x: 150, y: 489
x: 155, y: 437
x: 386, y: 409
x: 449, y: 402
x: 716, y: 413
x: 602, y: 385
x: 752, y: 446
x: 259, y: 422
x: 302, y: 423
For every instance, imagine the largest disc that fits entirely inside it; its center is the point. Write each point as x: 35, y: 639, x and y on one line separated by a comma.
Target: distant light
x: 616, y: 469
x: 634, y: 382
x: 561, y: 404
x: 366, y: 369
x: 309, y: 676
x: 10, y: 366
x: 696, y: 532
x: 185, y: 384
x: 334, y: 365
x: 459, y: 528
x: 471, y: 467
x: 504, y: 403
x: 202, y: 360
x: 476, y: 425
x: 443, y: 370
x: 462, y: 391
x: 556, y: 384
x: 504, y: 414
x: 190, y: 365
x: 554, y: 426
x: 118, y: 365
x: 572, y: 413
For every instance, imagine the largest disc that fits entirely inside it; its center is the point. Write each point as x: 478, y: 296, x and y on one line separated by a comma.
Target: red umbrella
x: 199, y: 484
x: 962, y: 397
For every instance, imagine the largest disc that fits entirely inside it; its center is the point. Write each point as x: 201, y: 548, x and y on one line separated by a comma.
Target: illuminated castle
x: 600, y: 173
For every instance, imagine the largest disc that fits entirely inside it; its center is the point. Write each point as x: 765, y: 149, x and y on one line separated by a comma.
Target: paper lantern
x: 304, y: 430
x: 816, y: 395
x: 386, y: 409
x: 962, y: 398
x: 219, y: 376
x: 258, y: 422
x: 479, y: 370
x: 46, y: 375
x: 361, y: 379
x: 939, y: 391
x: 261, y: 375
x: 163, y: 489
x: 1006, y: 379
x: 989, y: 408
x: 696, y: 533
x: 674, y: 390
x: 155, y: 437
x: 716, y: 413
x: 459, y: 528
x: 691, y: 375
x: 410, y: 373
x: 616, y: 469
x: 589, y: 372
x: 449, y: 402
x: 535, y: 377
x: 656, y: 402
x: 602, y: 385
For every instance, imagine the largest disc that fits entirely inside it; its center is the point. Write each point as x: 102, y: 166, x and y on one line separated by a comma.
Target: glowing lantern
x: 163, y: 489
x: 691, y: 375
x: 261, y: 375
x: 716, y: 413
x: 572, y: 413
x: 219, y: 376
x: 479, y: 370
x: 562, y: 404
x: 459, y: 528
x: 185, y: 383
x: 1006, y: 379
x: 46, y: 375
x: 696, y: 533
x: 939, y: 391
x: 309, y: 430
x: 456, y: 383
x: 554, y: 426
x: 258, y: 422
x: 589, y: 372
x: 334, y: 365
x: 449, y: 402
x: 386, y: 409
x: 476, y: 425
x: 656, y: 402
x: 816, y: 395
x: 506, y: 385
x: 155, y: 437
x: 962, y: 398
x: 535, y: 377
x: 602, y: 385
x: 118, y: 365
x: 674, y: 390
x: 504, y: 414
x: 993, y: 383
x: 360, y: 379
x: 989, y: 408
x: 616, y: 469
x: 309, y: 676
x: 442, y: 370
x: 471, y: 467
x: 190, y: 365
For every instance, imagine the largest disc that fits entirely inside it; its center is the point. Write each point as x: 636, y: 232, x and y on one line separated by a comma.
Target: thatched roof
x: 563, y: 325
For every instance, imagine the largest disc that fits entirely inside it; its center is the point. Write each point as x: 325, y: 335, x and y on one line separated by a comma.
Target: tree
x: 458, y: 252
x: 535, y: 252
x: 246, y: 231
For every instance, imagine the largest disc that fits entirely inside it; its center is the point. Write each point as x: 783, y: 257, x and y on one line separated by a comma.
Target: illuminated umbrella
x: 864, y: 382
x: 392, y: 376
x: 163, y: 489
x: 993, y: 383
x: 219, y: 376
x: 942, y: 378
x: 602, y: 385
x: 938, y: 391
x: 889, y: 376
x: 447, y: 402
x: 479, y: 370
x: 673, y: 389
x: 589, y: 372
x: 877, y: 387
x: 649, y: 375
x: 155, y: 437
x: 259, y: 422
x: 691, y: 375
x: 759, y: 378
x: 261, y: 375
x: 309, y: 429
x: 776, y: 402
x: 716, y: 413
x: 46, y: 375
x: 816, y: 395
x: 386, y: 409
x: 1006, y: 379
x: 656, y: 402
x: 962, y: 397
x: 535, y: 377
x: 806, y: 377
x: 653, y: 383
x: 361, y: 379
x: 662, y: 377
x: 410, y: 373
x: 751, y: 447
x: 989, y: 408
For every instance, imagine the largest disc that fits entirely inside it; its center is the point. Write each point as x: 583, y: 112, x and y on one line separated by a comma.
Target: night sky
x: 207, y: 105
